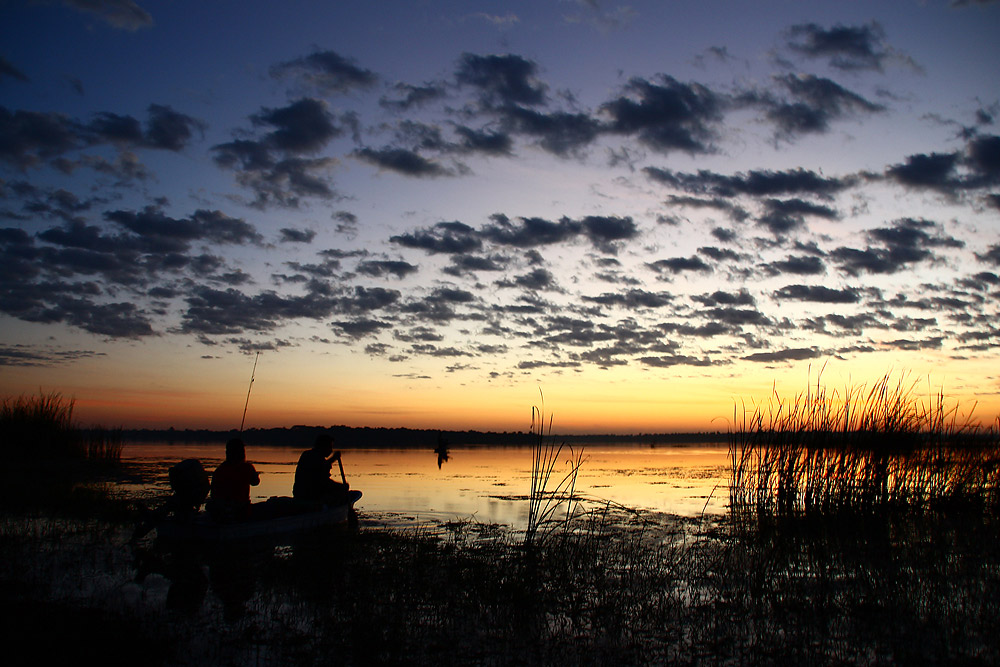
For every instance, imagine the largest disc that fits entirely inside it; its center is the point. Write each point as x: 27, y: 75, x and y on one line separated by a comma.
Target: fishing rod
x: 249, y: 389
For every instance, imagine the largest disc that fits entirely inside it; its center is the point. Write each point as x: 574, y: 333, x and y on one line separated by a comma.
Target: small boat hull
x: 203, y: 528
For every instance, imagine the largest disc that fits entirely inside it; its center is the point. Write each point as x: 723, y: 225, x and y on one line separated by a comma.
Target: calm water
x: 406, y: 486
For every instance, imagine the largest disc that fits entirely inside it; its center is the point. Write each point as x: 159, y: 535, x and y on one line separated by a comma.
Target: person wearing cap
x: 312, y: 475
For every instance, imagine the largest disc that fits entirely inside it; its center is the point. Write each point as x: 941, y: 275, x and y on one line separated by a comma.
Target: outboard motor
x: 190, y: 485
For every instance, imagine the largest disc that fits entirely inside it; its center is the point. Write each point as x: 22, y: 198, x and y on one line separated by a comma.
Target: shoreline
x: 348, y: 437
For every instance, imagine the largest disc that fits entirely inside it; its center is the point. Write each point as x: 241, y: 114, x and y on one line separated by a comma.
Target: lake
x: 485, y: 484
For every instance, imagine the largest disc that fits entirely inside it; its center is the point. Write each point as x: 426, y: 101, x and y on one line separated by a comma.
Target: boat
x: 278, y: 516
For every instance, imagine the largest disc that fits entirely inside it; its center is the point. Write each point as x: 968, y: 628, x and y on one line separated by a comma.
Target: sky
x: 639, y: 217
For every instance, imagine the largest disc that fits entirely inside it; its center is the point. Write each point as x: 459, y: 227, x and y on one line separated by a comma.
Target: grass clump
x: 550, y: 508
x: 48, y: 455
x: 861, y: 449
x: 38, y: 427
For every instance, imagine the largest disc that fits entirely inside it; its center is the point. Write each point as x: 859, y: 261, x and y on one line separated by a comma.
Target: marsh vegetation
x: 899, y: 564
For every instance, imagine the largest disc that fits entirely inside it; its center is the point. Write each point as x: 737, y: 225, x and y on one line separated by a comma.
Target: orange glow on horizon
x: 620, y: 402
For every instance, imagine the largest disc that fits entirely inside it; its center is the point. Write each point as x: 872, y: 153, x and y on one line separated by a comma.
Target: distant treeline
x: 369, y: 437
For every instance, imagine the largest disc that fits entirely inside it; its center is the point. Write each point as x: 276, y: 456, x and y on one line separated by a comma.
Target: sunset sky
x: 428, y: 213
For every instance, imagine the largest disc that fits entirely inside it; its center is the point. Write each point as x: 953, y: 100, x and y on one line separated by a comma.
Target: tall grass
x: 37, y: 426
x: 549, y: 506
x: 42, y: 427
x: 49, y: 461
x: 859, y: 449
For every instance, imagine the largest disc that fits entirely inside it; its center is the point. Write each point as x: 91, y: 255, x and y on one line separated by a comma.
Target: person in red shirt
x: 231, y: 482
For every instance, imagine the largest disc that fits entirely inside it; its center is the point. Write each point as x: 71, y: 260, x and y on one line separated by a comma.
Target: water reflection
x: 490, y: 485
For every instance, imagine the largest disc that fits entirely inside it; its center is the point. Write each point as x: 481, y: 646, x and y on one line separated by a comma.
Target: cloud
x: 736, y: 317
x: 289, y: 235
x: 123, y: 14
x: 402, y: 161
x: 675, y: 360
x: 502, y: 80
x: 529, y: 232
x: 8, y: 70
x: 813, y: 102
x: 382, y: 268
x: 169, y: 129
x: 907, y: 241
x: 444, y: 237
x: 605, y: 231
x: 818, y: 294
x: 326, y: 72
x: 755, y: 183
x: 214, y: 312
x: 275, y: 181
x: 462, y: 264
x: 632, y: 299
x: 720, y: 204
x: 984, y: 160
x: 991, y: 256
x: 560, y: 133
x: 304, y: 126
x: 602, y: 231
x: 118, y: 320
x: 161, y: 233
x: 720, y: 298
x: 488, y: 143
x: 676, y: 265
x: 405, y: 96
x: 977, y: 166
x: 934, y: 170
x: 667, y: 115
x: 848, y: 48
x: 272, y: 167
x: 359, y: 328
x: 537, y: 280
x: 29, y: 137
x: 781, y: 216
x: 32, y: 355
x: 804, y: 265
x: 791, y: 354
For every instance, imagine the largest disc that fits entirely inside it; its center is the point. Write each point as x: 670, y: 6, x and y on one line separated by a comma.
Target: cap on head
x: 235, y: 450
x: 324, y: 442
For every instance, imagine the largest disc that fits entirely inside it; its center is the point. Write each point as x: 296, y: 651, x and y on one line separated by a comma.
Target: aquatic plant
x: 545, y: 501
x: 37, y: 426
x: 858, y: 449
x: 42, y: 427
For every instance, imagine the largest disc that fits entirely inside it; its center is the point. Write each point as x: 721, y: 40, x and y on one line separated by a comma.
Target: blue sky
x: 409, y: 207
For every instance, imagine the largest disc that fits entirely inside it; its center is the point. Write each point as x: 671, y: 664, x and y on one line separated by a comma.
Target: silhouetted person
x: 189, y: 482
x: 312, y: 475
x: 442, y: 449
x: 231, y: 482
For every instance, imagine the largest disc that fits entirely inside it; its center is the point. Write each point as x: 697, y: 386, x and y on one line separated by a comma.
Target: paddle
x: 341, y: 464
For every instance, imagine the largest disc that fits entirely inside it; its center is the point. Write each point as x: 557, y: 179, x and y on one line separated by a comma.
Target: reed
x: 547, y: 502
x: 37, y: 426
x: 860, y: 449
x: 103, y: 444
x: 41, y: 427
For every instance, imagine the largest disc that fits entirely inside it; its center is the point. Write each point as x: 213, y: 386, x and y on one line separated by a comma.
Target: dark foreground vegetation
x: 869, y: 577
